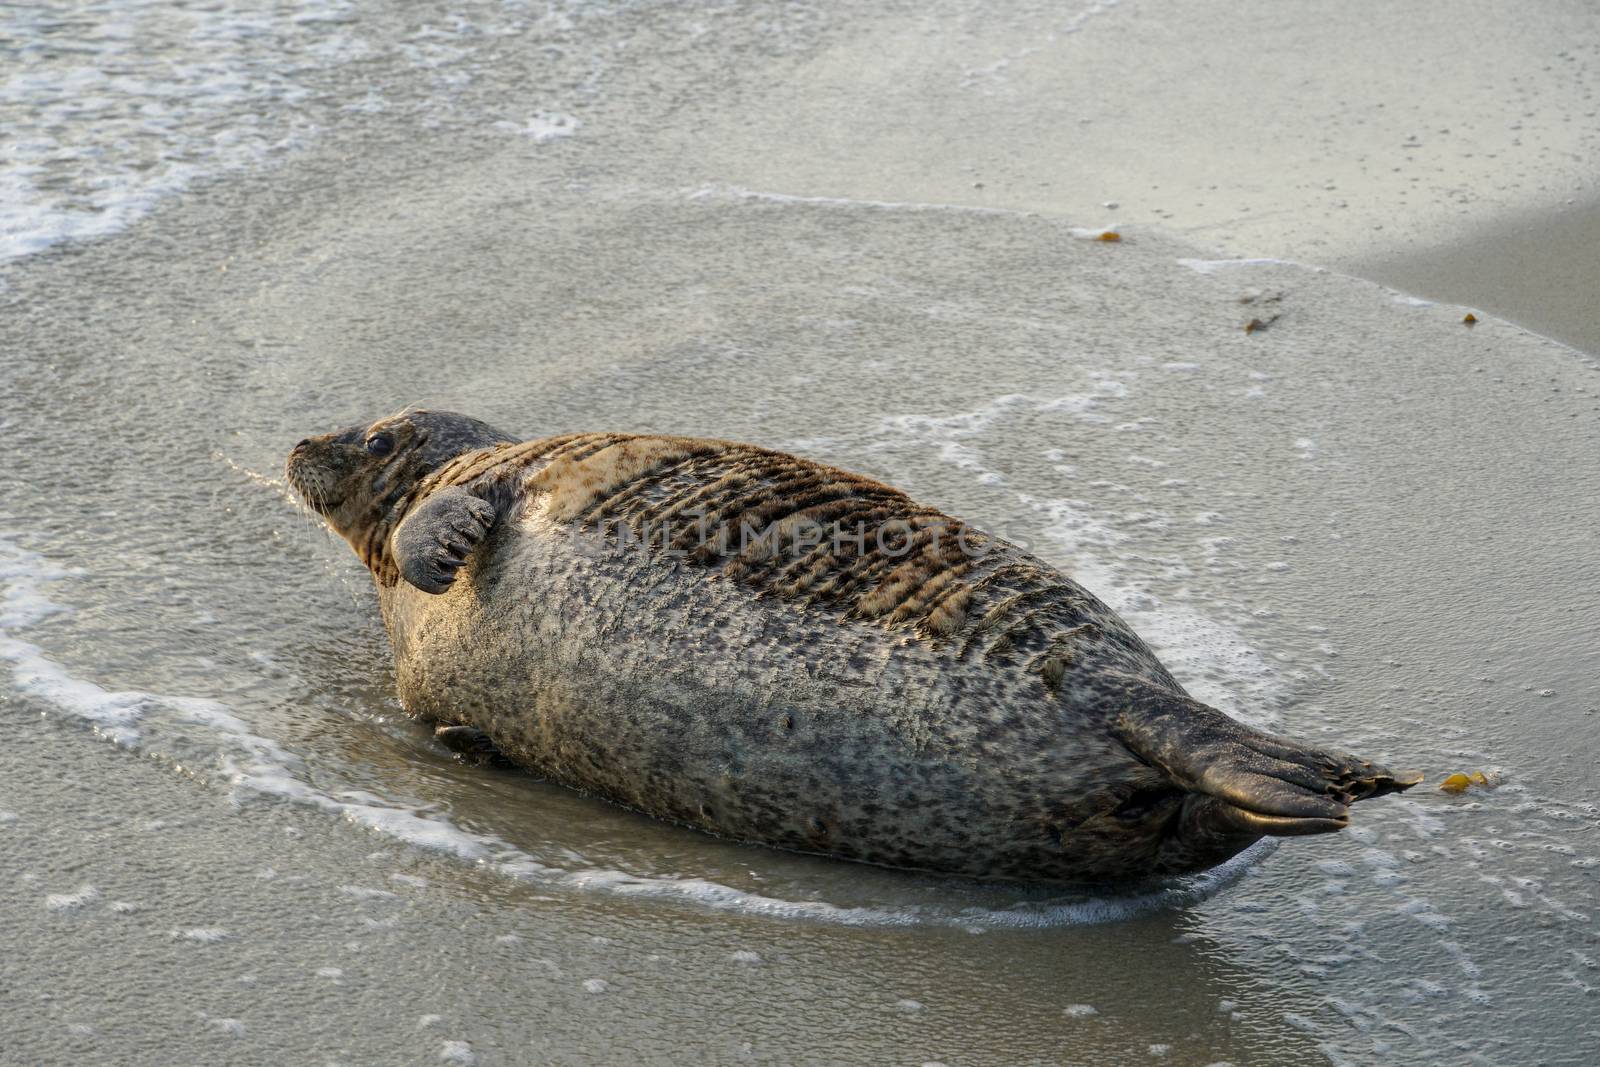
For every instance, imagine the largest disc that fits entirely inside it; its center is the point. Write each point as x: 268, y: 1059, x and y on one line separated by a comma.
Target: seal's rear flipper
x: 1264, y: 784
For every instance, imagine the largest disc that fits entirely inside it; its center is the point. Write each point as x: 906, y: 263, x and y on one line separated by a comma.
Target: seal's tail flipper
x: 1266, y: 784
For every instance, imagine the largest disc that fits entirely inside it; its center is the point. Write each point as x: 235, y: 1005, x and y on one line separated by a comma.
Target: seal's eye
x: 380, y: 444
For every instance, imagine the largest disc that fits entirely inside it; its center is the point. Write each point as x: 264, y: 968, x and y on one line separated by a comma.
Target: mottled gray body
x: 668, y: 693
x: 966, y: 710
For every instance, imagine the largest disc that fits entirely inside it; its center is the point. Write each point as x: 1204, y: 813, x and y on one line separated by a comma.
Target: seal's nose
x: 304, y: 443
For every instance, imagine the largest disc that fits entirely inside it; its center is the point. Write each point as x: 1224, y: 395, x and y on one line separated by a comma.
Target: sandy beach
x: 870, y: 237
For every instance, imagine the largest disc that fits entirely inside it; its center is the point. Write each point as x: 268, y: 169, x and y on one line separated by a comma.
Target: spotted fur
x: 788, y: 653
x: 878, y: 555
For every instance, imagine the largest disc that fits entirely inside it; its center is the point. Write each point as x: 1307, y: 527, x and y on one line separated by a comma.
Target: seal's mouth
x: 316, y: 486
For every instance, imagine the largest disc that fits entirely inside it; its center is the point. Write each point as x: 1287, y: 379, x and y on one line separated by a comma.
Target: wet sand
x: 1365, y: 524
x: 1290, y: 130
x: 1538, y: 269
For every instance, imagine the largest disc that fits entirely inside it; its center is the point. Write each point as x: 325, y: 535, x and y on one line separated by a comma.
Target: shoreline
x: 1333, y: 510
x: 1536, y: 269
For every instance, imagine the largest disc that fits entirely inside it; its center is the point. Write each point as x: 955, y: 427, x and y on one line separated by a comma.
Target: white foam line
x: 22, y: 605
x: 1028, y: 915
x: 253, y: 765
x: 734, y: 192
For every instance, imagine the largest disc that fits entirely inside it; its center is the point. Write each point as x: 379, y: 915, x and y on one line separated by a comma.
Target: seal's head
x: 354, y: 478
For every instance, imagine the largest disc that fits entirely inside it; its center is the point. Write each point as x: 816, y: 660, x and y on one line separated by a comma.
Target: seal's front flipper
x: 435, y: 540
x: 471, y: 744
x: 1265, y: 784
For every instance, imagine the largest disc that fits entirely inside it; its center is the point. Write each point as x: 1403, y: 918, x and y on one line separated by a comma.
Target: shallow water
x: 1366, y: 524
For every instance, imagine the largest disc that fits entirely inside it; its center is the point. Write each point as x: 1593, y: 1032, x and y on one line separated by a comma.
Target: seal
x: 784, y: 653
